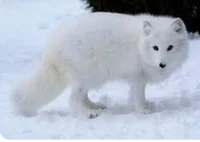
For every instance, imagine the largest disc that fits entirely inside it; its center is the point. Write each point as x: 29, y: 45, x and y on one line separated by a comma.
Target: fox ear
x: 178, y: 25
x: 147, y: 28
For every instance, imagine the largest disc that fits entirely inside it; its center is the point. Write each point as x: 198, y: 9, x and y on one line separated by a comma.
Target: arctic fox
x: 89, y: 50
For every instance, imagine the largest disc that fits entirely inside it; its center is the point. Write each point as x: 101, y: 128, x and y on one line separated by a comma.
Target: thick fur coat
x: 94, y: 48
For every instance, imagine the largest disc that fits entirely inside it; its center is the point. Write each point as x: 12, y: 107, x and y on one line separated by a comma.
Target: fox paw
x: 101, y: 106
x: 147, y: 109
x: 93, y: 113
x: 88, y: 113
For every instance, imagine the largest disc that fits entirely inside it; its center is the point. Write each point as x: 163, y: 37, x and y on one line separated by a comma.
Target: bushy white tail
x: 39, y: 89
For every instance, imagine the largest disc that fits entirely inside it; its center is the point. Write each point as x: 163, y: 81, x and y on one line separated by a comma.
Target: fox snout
x: 162, y: 65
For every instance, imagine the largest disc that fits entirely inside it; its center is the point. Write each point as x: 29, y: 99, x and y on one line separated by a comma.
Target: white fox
x: 89, y: 50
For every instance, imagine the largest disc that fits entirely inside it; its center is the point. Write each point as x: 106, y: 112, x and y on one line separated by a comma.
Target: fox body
x: 94, y: 48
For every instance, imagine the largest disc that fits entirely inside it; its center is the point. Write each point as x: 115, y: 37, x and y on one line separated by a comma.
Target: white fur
x: 89, y: 50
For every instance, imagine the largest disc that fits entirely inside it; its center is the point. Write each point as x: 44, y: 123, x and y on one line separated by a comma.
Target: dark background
x: 188, y: 10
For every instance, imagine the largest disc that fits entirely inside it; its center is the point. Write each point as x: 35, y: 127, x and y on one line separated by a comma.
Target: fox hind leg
x: 81, y: 104
x: 93, y: 105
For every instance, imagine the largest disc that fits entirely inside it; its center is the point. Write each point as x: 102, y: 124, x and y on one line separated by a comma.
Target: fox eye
x: 155, y: 48
x: 170, y: 47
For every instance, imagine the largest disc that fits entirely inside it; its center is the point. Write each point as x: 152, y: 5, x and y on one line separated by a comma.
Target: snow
x: 24, y: 28
x: 193, y: 35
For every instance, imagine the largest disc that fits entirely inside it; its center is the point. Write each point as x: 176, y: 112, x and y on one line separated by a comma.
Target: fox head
x: 163, y: 44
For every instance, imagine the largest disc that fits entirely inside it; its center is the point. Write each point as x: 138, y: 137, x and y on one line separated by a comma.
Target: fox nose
x: 162, y: 65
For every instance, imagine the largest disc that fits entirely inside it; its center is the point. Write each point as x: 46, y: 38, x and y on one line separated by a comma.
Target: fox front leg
x: 137, y: 95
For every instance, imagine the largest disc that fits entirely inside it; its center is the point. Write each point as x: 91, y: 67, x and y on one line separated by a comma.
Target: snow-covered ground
x: 24, y: 28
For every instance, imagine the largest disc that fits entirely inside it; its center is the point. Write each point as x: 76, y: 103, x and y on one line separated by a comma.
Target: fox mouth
x: 162, y: 69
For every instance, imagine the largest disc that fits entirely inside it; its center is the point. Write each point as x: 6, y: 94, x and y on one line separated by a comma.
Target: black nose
x: 162, y: 65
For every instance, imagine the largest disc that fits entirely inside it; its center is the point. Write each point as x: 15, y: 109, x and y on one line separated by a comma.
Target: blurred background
x: 188, y: 10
